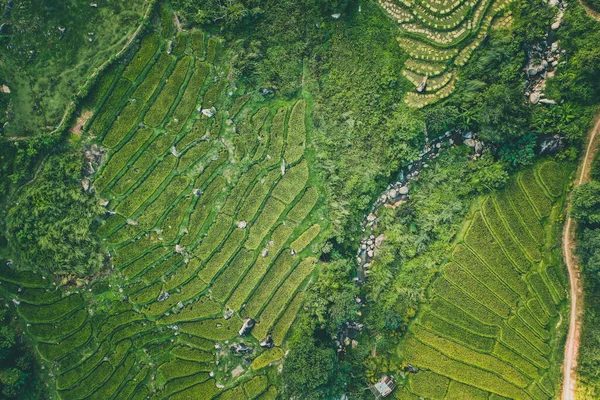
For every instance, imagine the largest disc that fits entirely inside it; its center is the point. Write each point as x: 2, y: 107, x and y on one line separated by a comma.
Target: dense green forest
x: 341, y: 60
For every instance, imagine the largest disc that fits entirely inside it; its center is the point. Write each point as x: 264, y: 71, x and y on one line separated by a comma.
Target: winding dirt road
x: 572, y: 345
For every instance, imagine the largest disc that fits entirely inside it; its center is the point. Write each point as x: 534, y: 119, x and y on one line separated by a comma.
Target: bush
x: 52, y: 217
x: 586, y: 203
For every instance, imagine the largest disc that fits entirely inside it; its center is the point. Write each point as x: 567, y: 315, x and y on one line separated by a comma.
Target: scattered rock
x: 247, y: 326
x: 336, y: 16
x: 403, y: 190
x: 162, y: 297
x: 267, y: 343
x: 547, y: 101
x: 209, y: 112
x: 555, y: 25
x: 240, y: 348
x: 228, y: 313
x: 242, y: 224
x: 265, y: 252
x: 371, y: 217
x: 534, y: 97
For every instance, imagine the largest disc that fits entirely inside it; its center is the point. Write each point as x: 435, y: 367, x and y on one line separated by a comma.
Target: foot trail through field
x: 573, y: 337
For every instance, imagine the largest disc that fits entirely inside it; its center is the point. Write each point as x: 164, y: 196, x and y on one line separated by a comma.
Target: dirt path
x: 589, y: 11
x: 573, y: 337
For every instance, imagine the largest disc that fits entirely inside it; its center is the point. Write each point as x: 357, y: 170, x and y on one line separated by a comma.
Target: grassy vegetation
x: 179, y: 262
x: 476, y: 323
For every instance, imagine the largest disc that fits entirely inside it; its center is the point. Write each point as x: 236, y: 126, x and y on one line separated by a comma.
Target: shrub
x: 296, y: 135
x: 267, y: 357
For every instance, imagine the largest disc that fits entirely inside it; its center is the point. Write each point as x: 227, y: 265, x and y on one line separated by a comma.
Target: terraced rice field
x: 440, y: 36
x: 209, y: 214
x: 489, y: 328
